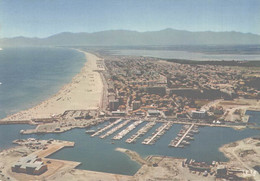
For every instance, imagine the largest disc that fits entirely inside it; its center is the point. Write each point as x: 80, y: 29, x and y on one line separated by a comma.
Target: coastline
x: 153, y: 167
x: 83, y: 92
x: 133, y: 156
x: 57, y: 169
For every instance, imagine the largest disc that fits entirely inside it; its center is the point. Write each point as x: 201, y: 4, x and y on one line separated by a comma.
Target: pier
x: 115, y: 129
x: 126, y: 130
x: 106, y: 128
x: 158, y: 133
x: 140, y: 132
x: 183, y: 134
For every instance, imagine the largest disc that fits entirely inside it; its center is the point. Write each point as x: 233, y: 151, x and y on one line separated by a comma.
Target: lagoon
x: 186, y: 55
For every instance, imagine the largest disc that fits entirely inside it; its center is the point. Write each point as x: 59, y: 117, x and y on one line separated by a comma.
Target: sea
x: 30, y: 75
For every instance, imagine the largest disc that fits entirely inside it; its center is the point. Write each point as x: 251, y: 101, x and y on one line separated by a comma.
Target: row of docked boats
x: 184, y: 136
x: 99, y: 131
x: 114, y: 129
x: 158, y: 133
x: 125, y: 131
x: 141, y: 132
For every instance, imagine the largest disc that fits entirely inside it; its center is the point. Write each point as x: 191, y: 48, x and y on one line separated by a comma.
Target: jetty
x: 106, y: 128
x: 184, y: 134
x: 158, y: 133
x: 124, y: 132
x: 140, y: 132
x: 115, y: 129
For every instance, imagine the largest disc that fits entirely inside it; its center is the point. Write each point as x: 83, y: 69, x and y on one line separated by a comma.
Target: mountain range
x: 135, y: 38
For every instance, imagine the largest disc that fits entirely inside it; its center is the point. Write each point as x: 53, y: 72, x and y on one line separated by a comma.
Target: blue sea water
x: 254, y: 120
x: 30, y: 75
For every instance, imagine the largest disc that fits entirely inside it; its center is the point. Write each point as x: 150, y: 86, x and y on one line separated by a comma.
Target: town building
x: 113, y: 105
x: 136, y: 105
x: 159, y: 90
x: 153, y: 113
x: 198, y: 114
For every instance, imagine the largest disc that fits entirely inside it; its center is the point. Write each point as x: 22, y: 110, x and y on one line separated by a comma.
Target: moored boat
x: 90, y: 131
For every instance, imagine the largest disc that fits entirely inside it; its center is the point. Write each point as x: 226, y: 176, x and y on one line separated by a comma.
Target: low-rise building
x: 153, y: 113
x: 221, y: 171
x: 30, y: 165
x: 118, y: 113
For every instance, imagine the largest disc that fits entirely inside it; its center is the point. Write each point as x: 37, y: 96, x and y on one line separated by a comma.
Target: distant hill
x: 134, y: 38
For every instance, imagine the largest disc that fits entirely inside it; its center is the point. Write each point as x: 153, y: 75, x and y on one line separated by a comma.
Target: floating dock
x: 126, y: 130
x: 158, y: 133
x: 106, y: 128
x: 140, y: 132
x: 115, y: 129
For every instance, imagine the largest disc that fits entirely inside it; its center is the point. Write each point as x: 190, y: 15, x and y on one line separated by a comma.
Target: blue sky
x: 42, y: 18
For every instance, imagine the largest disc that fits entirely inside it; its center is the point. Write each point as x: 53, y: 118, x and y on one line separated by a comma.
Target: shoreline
x: 134, y: 156
x: 243, y: 152
x: 57, y: 169
x: 84, y: 91
x: 152, y: 167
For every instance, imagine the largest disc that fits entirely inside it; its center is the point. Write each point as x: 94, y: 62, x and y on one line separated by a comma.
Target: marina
x: 124, y: 132
x: 158, y: 133
x: 140, y: 132
x: 93, y: 152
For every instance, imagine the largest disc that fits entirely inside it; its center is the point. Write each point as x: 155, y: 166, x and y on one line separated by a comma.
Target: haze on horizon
x: 47, y: 17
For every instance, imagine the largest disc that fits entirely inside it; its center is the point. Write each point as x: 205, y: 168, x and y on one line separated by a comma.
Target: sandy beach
x: 83, y: 92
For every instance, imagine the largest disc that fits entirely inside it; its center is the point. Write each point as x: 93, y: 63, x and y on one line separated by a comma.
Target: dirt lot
x: 242, y: 105
x: 244, y: 154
